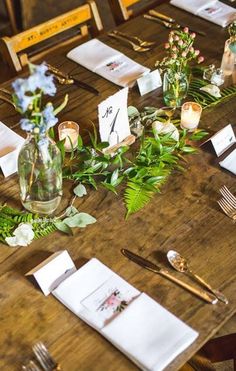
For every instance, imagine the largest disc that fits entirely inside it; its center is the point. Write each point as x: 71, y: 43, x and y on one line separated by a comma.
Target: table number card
x: 149, y: 82
x: 113, y: 118
x: 10, y: 145
x: 223, y: 139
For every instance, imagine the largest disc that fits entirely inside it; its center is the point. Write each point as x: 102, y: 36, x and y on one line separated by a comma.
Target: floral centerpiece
x: 180, y: 52
x: 39, y: 161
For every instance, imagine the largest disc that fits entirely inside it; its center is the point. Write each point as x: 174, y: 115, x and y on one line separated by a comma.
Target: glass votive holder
x: 208, y: 72
x: 217, y: 77
x: 69, y: 130
x: 190, y: 115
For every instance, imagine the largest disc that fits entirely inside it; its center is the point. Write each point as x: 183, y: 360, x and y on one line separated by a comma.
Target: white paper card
x: 113, y: 118
x: 229, y: 162
x: 52, y: 271
x: 149, y: 82
x: 223, y: 139
x: 107, y: 62
x: 10, y: 145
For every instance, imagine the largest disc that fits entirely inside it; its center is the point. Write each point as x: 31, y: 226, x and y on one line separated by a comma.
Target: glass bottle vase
x: 175, y: 87
x: 40, y: 174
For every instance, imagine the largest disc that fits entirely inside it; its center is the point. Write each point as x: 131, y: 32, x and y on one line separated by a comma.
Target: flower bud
x: 36, y: 130
x: 176, y: 38
x: 186, y: 29
x: 174, y: 48
x: 191, y: 50
x: 167, y: 45
x: 171, y: 39
x: 193, y: 35
x: 174, y: 56
x: 200, y: 59
x: 197, y: 52
x: 180, y: 43
x: 184, y: 54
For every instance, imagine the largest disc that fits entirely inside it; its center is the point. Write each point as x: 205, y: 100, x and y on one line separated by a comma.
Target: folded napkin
x: 107, y: 62
x: 137, y: 325
x: 211, y: 10
x: 10, y: 145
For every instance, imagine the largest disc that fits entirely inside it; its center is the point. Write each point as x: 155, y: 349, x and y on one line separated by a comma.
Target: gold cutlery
x: 6, y: 98
x: 134, y: 46
x: 136, y: 38
x: 161, y: 16
x: 171, y: 24
x: 228, y: 195
x: 179, y: 263
x: 71, y: 79
x: 209, y: 298
x: 44, y: 357
x: 30, y: 366
x: 227, y: 207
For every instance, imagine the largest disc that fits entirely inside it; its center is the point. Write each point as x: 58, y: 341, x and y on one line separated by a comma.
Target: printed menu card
x: 107, y: 62
x: 131, y: 320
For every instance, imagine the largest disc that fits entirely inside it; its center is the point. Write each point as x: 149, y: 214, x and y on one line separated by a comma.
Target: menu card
x: 136, y: 324
x: 211, y: 10
x: 10, y: 145
x: 107, y: 62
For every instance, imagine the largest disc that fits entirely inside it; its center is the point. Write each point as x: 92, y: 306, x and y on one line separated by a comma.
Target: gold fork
x: 228, y: 209
x: 228, y: 195
x: 135, y: 47
x: 44, y: 357
x: 136, y: 38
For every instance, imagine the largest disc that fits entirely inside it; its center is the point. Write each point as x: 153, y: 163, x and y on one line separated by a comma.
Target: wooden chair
x: 11, y: 15
x: 122, y: 9
x: 86, y: 17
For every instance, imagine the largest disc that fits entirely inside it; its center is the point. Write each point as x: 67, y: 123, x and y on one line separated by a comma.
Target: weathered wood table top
x: 184, y: 217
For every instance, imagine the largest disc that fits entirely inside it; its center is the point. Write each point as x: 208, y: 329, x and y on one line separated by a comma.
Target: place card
x: 223, y: 139
x: 10, y: 145
x: 229, y: 163
x: 149, y: 82
x: 52, y: 271
x: 113, y: 118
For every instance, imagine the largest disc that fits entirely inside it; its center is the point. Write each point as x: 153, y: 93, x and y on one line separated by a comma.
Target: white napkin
x: 229, y: 162
x: 211, y: 10
x: 10, y: 145
x: 145, y: 331
x: 107, y: 62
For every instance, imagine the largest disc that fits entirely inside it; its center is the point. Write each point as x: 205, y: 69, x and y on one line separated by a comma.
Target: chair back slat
x: 83, y: 16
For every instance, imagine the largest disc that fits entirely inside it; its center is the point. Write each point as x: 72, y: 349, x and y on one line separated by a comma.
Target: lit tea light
x: 69, y: 131
x: 190, y: 115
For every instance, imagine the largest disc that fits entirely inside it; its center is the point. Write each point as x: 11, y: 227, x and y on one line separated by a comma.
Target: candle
x: 190, y: 115
x: 69, y: 131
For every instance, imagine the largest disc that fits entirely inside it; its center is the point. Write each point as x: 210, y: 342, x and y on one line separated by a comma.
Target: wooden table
x: 185, y: 217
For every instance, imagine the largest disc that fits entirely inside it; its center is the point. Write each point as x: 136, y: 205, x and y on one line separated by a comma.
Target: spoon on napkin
x: 181, y: 265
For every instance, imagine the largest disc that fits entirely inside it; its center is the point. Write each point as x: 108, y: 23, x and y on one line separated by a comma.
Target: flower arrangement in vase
x: 180, y: 52
x: 39, y: 161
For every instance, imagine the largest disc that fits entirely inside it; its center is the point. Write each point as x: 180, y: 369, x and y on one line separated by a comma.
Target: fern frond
x: 137, y: 195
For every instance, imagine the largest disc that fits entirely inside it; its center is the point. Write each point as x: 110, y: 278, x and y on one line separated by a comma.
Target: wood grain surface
x: 184, y: 217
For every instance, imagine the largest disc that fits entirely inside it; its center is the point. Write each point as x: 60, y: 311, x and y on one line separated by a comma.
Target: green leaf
x: 80, y: 190
x: 79, y: 220
x: 63, y: 227
x: 188, y: 149
x: 109, y: 186
x: 71, y: 210
x: 137, y: 195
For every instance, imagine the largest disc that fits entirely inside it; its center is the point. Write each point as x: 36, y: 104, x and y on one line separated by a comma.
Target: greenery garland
x: 143, y: 170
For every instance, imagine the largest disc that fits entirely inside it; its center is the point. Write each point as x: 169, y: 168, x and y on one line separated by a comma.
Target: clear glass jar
x: 40, y: 174
x: 175, y: 87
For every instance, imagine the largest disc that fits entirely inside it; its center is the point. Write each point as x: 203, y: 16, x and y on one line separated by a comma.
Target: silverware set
x: 135, y: 42
x: 169, y: 22
x: 227, y: 202
x: 44, y: 360
x: 5, y: 95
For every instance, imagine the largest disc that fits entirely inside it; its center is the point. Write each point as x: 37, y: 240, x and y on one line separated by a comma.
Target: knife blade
x: 76, y: 81
x: 147, y: 264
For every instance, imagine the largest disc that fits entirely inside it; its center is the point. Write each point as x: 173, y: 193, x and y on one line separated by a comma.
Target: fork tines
x: 228, y: 195
x: 44, y: 357
x: 227, y: 207
x: 30, y: 366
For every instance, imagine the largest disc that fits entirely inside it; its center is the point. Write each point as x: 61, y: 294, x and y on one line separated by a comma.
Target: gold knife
x: 161, y: 16
x: 209, y: 298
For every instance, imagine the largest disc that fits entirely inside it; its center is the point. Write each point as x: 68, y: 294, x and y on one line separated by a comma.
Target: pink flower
x: 113, y: 301
x: 193, y: 35
x: 167, y: 45
x: 186, y: 29
x: 174, y: 56
x: 176, y: 38
x: 200, y: 59
x: 184, y: 54
x: 191, y: 50
x: 180, y: 43
x: 197, y: 52
x: 174, y: 48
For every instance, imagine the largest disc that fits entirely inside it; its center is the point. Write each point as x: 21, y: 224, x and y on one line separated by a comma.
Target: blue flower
x: 48, y: 116
x: 26, y: 125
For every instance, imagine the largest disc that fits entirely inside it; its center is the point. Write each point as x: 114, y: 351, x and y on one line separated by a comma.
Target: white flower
x: 23, y: 235
x: 165, y: 128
